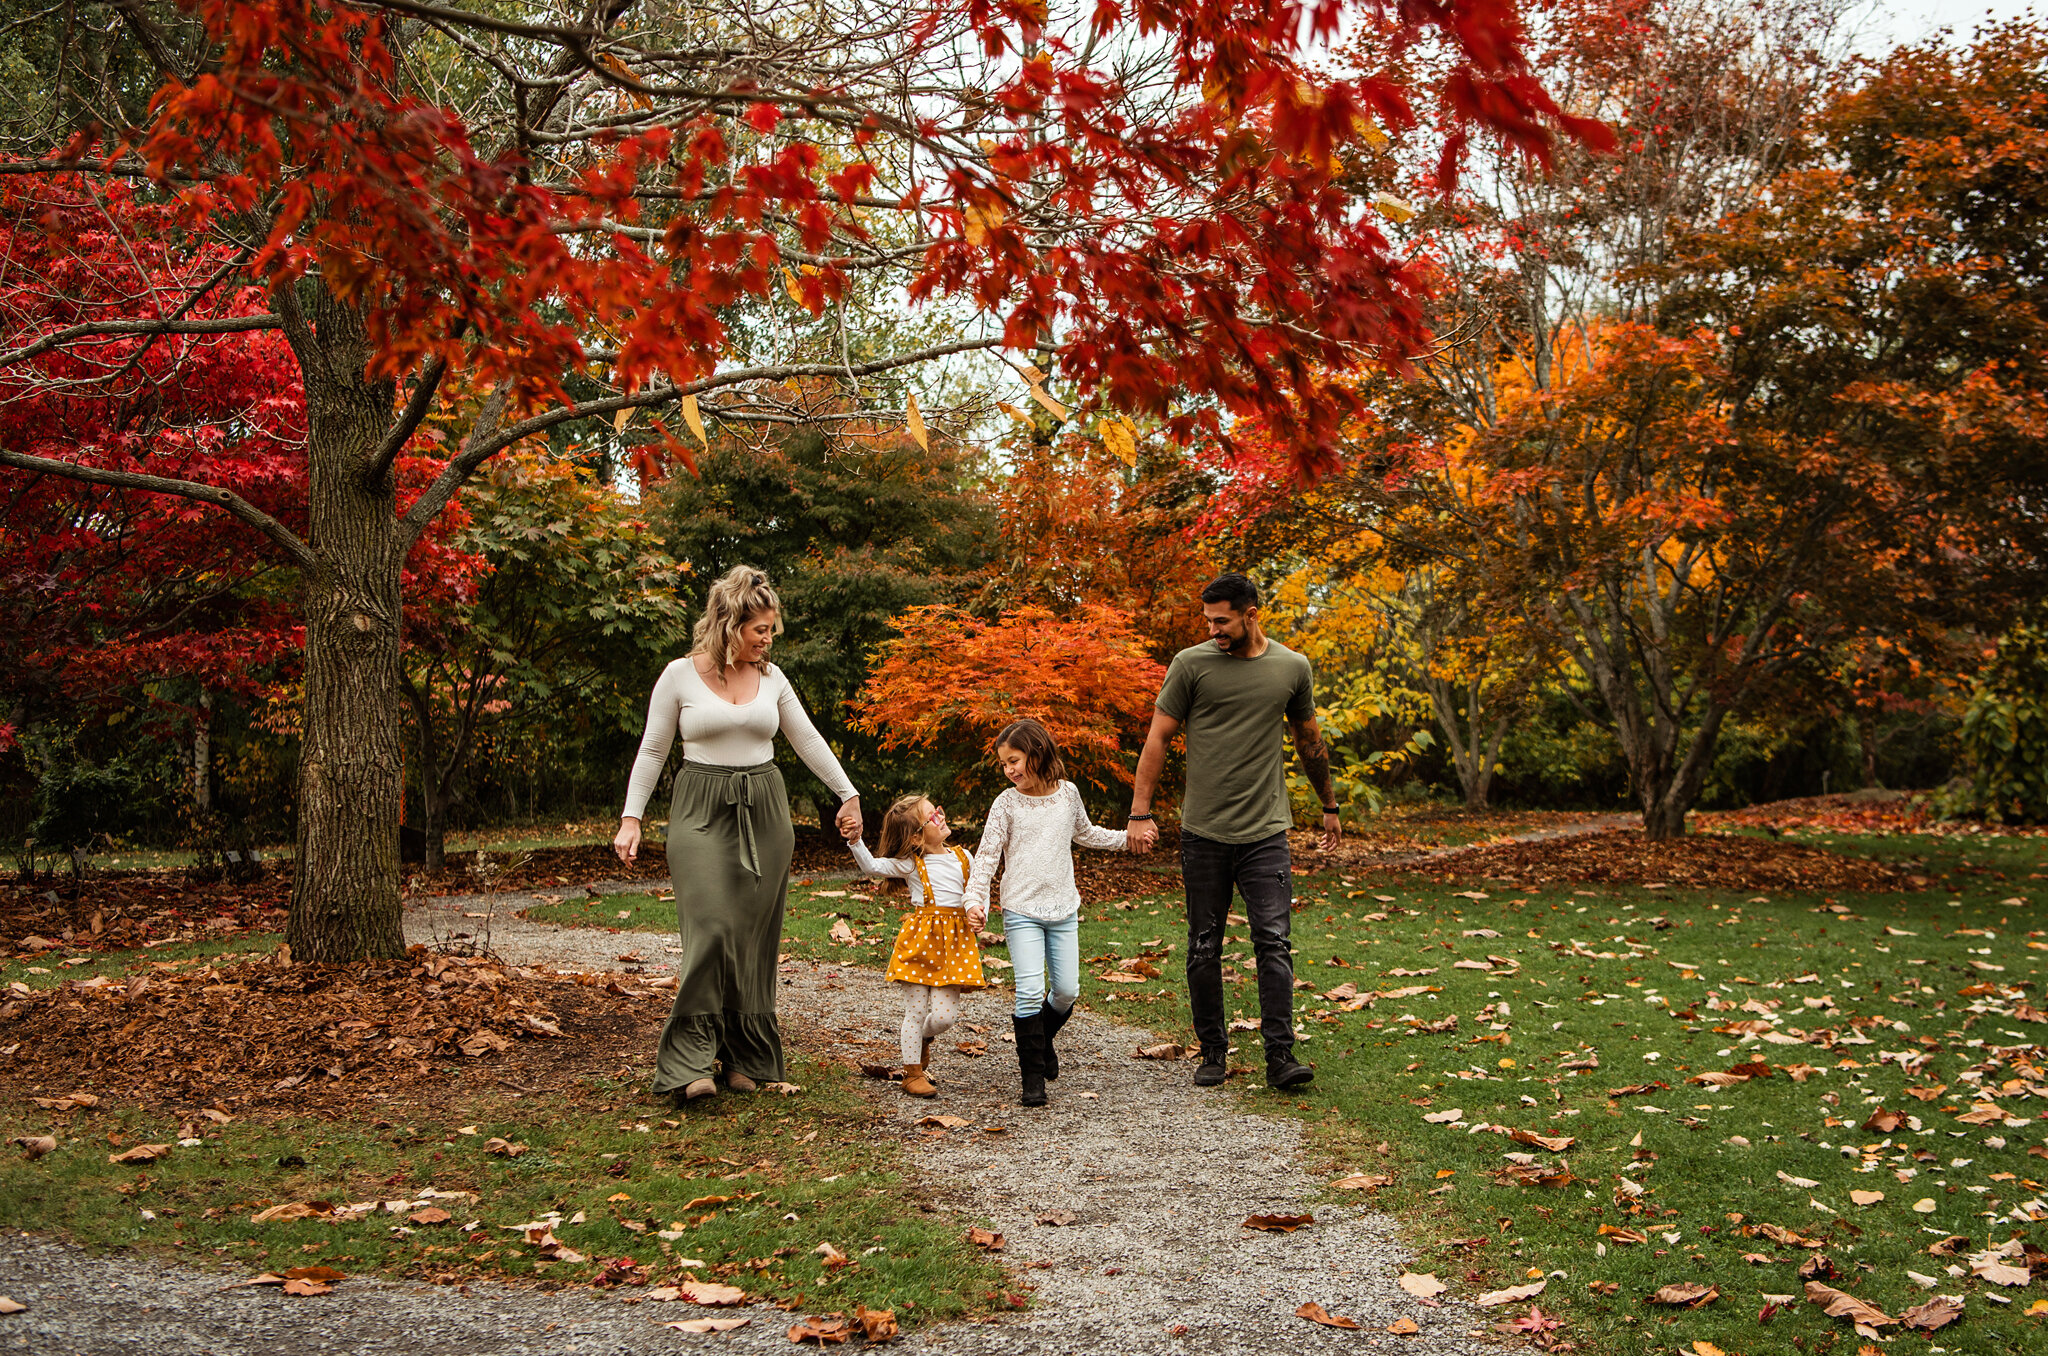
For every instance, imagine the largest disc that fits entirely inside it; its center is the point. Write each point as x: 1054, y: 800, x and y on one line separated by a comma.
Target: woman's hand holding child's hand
x: 977, y: 914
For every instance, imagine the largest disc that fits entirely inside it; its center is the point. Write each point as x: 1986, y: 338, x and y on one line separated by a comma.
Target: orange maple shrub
x: 951, y: 681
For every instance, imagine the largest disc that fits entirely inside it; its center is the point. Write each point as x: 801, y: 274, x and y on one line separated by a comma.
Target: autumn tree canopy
x: 452, y: 209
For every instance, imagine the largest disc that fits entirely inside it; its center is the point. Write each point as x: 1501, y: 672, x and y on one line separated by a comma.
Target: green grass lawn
x: 54, y: 967
x: 743, y: 1193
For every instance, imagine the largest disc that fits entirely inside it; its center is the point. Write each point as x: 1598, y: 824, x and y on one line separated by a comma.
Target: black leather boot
x: 1031, y: 1057
x: 1053, y: 1019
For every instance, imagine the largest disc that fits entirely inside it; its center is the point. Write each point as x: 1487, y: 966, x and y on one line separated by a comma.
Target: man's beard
x: 1232, y: 644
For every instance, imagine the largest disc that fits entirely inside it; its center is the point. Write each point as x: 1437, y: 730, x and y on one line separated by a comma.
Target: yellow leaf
x: 1373, y: 136
x: 1007, y: 408
x: 621, y: 419
x: 694, y: 417
x: 979, y: 220
x: 1030, y: 373
x: 1394, y: 209
x: 1120, y: 439
x: 789, y: 286
x: 917, y: 424
x: 1059, y: 411
x: 1703, y: 1348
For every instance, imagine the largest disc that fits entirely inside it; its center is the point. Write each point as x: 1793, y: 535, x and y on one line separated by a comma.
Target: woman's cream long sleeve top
x: 726, y: 734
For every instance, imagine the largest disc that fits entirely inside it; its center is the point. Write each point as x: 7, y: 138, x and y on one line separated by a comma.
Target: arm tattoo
x: 1315, y: 762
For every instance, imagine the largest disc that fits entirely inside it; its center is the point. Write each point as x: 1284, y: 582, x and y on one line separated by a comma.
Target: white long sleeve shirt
x: 726, y: 734
x: 1033, y: 838
x: 949, y: 887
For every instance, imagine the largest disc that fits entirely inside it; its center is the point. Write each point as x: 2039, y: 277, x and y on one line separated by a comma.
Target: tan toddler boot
x: 915, y: 1083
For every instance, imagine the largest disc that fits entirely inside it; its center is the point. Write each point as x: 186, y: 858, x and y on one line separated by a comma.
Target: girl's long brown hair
x: 902, y: 836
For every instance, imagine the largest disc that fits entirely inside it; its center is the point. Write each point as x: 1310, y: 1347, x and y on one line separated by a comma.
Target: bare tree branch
x: 115, y: 329
x: 186, y: 489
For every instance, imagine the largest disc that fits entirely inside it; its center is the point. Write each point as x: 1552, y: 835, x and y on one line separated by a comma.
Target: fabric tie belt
x: 739, y: 793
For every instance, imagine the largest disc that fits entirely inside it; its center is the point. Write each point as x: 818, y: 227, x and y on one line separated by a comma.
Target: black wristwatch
x: 1333, y: 809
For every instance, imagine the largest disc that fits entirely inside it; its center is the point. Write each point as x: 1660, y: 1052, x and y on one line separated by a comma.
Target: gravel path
x: 1156, y: 1175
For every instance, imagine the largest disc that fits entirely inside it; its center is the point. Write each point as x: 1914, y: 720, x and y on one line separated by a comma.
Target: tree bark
x: 345, y: 891
x: 202, y: 754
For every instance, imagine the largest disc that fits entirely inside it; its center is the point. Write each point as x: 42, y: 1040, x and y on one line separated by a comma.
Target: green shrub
x: 2005, y: 730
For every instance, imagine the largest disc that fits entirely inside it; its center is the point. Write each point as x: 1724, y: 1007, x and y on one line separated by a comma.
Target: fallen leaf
x: 702, y: 1325
x: 1443, y: 1117
x: 1316, y: 1313
x: 1803, y: 1183
x: 945, y: 1122
x: 834, y: 1258
x: 1982, y: 1113
x: 1422, y: 1286
x: 1686, y: 1295
x: 1164, y: 1050
x: 1924, y: 1206
x: 1056, y: 1219
x: 1778, y: 1233
x: 9, y: 1305
x: 1556, y: 1144
x: 1278, y: 1224
x: 710, y: 1294
x: 306, y: 1287
x: 433, y: 1214
x: 1494, y: 1298
x: 820, y: 1330
x: 141, y: 1153
x: 1363, y: 1182
x: 1403, y: 1327
x: 292, y: 1210
x: 35, y: 1146
x: 503, y: 1148
x: 1623, y: 1235
x: 1948, y: 1247
x: 1702, y: 1347
x: 1866, y: 1197
x: 877, y: 1325
x: 985, y: 1238
x: 1884, y: 1121
x: 1938, y: 1312
x: 1998, y: 1272
x: 1840, y: 1304
x: 701, y: 1202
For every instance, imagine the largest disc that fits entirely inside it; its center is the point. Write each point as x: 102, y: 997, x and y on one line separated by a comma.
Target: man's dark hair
x: 1240, y: 592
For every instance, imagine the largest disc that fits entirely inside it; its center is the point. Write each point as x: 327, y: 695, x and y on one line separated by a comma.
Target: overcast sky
x: 1886, y: 23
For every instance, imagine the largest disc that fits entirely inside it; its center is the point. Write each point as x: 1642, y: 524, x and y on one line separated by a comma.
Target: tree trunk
x: 202, y: 754
x: 1473, y: 749
x: 345, y: 892
x: 434, y: 823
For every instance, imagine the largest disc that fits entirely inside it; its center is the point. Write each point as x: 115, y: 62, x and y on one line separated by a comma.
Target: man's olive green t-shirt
x: 1233, y: 711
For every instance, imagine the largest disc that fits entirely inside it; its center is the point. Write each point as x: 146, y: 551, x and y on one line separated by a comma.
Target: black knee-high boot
x: 1031, y: 1057
x: 1053, y: 1019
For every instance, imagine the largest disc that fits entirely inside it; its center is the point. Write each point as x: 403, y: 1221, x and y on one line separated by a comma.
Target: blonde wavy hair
x: 741, y: 594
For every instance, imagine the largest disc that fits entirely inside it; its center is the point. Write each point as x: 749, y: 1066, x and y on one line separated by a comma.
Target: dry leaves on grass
x: 261, y: 1032
x: 1316, y: 1313
x: 710, y: 1294
x: 1366, y: 1181
x: 119, y: 911
x: 1841, y: 1304
x: 985, y: 1238
x: 1936, y: 1313
x: 141, y: 1153
x: 1685, y: 1295
x: 35, y: 1146
x: 1697, y: 861
x: 498, y: 1147
x: 1512, y: 1295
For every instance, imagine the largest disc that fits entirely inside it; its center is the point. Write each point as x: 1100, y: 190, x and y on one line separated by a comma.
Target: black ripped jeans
x: 1263, y: 873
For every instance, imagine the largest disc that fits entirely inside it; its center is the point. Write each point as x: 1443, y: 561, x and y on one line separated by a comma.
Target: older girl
x: 729, y: 835
x: 1031, y: 832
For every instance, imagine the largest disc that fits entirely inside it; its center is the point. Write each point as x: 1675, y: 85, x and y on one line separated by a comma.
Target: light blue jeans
x: 1040, y: 952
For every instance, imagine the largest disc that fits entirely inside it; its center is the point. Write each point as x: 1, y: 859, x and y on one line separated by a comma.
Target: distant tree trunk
x: 345, y: 892
x: 1474, y: 747
x: 202, y: 754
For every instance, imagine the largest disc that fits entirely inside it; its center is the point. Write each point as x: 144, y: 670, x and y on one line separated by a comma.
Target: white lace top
x: 1033, y: 839
x: 949, y: 890
x: 723, y: 734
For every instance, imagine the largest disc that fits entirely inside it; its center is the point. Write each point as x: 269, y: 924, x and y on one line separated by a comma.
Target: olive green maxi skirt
x: 729, y: 846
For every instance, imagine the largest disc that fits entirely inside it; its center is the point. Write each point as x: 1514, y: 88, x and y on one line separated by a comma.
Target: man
x: 1232, y: 695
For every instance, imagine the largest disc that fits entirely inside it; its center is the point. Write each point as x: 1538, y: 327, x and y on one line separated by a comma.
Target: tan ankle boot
x: 924, y: 1057
x: 915, y: 1083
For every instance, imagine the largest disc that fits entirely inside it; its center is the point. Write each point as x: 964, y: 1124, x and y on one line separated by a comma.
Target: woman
x: 729, y: 837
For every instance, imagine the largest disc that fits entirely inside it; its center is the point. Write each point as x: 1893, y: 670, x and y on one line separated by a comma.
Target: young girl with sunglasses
x: 936, y: 955
x: 1031, y: 832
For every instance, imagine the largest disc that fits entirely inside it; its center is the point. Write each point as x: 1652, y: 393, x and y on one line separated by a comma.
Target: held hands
x: 1141, y: 835
x: 848, y: 820
x: 1333, y: 832
x: 977, y: 914
x: 627, y: 842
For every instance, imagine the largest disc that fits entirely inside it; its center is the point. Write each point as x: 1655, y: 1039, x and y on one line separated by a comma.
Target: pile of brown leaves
x: 542, y: 867
x: 264, y: 1032
x: 133, y: 909
x: 1697, y: 861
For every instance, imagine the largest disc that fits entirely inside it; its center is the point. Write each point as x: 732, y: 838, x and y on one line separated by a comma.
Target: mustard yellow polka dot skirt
x: 937, y: 947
